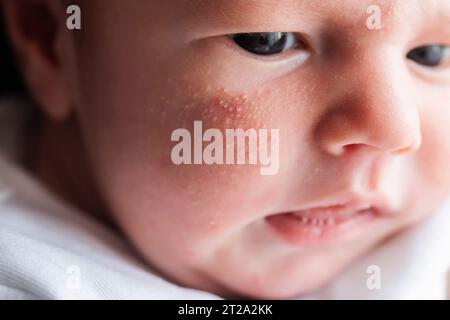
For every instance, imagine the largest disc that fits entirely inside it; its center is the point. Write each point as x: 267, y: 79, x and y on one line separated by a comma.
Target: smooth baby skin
x: 359, y: 123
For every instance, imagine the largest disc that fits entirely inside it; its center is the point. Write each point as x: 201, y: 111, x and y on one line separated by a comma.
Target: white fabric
x: 49, y: 250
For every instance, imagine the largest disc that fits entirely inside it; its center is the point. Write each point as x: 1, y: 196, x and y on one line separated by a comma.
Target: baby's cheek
x: 223, y: 109
x: 434, y: 154
x: 222, y: 187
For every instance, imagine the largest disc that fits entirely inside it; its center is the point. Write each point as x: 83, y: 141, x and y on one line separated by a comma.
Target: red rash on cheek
x: 237, y: 110
x: 233, y: 107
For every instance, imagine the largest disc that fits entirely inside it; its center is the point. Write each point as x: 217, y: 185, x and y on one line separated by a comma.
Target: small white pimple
x: 316, y: 231
x: 330, y: 221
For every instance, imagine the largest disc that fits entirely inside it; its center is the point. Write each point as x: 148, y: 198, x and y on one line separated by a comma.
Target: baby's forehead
x: 395, y: 13
x: 366, y: 21
x: 413, y: 10
x: 331, y: 19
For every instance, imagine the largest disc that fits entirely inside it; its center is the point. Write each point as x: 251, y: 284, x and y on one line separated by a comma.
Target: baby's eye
x: 266, y: 43
x: 430, y: 56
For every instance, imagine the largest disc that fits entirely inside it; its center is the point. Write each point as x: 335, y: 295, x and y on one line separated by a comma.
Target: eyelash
x: 419, y: 53
x: 287, y: 41
x: 282, y: 42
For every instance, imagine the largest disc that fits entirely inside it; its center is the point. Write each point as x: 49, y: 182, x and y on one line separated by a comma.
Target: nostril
x: 402, y: 151
x: 394, y: 144
x: 345, y: 149
x: 410, y: 149
x: 354, y: 148
x: 351, y: 148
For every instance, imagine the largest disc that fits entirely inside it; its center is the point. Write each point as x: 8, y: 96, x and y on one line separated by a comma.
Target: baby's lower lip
x: 321, y: 226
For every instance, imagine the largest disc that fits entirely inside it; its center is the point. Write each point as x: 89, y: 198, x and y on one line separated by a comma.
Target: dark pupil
x: 428, y: 55
x: 266, y: 43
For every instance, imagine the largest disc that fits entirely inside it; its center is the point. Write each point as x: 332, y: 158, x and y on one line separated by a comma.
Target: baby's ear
x: 38, y: 34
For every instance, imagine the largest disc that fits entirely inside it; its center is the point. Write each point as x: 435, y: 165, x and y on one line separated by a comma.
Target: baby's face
x: 363, y: 114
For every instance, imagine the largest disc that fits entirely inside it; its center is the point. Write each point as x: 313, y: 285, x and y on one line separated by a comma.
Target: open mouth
x: 322, y: 225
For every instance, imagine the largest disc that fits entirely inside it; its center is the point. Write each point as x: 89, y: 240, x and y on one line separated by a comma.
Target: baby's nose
x: 375, y: 109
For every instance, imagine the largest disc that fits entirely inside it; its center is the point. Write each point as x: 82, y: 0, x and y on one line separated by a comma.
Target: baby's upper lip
x: 344, y: 206
x: 338, y: 211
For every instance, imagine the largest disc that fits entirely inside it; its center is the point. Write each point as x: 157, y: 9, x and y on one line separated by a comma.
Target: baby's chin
x: 257, y: 269
x: 312, y: 275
